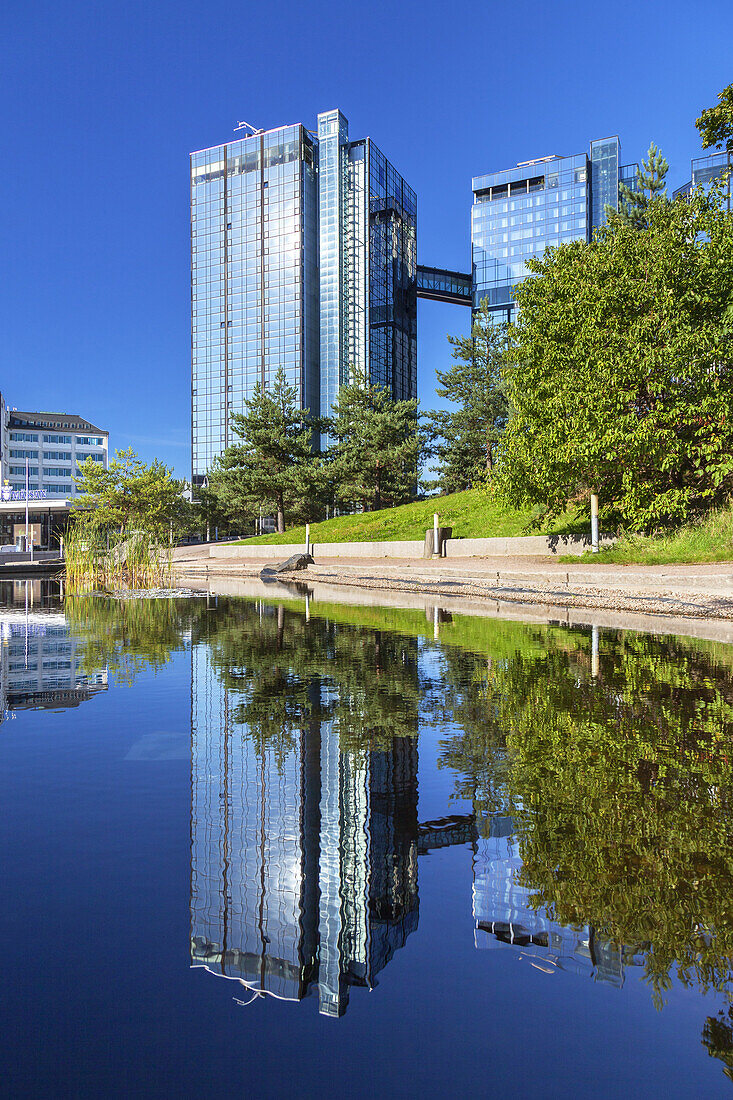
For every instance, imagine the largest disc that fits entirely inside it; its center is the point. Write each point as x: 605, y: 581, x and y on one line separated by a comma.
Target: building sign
x: 20, y: 494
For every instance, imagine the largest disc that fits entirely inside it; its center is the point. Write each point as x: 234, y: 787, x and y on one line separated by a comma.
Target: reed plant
x: 99, y: 559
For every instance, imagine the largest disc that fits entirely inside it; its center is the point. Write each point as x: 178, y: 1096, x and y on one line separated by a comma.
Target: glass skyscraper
x: 518, y: 213
x: 254, y: 278
x: 303, y: 255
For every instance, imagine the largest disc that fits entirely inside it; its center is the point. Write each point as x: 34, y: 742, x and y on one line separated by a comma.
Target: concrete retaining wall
x: 410, y: 549
x: 454, y: 548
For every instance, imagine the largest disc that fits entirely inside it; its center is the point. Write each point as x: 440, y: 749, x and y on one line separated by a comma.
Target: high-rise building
x: 368, y: 265
x: 254, y: 278
x: 519, y: 212
x: 704, y: 170
x: 303, y: 256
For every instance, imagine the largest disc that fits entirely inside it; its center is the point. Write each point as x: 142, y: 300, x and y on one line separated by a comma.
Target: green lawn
x: 472, y: 514
x: 710, y: 539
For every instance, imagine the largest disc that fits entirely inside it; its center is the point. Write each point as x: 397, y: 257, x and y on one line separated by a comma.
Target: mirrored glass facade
x: 368, y: 265
x: 254, y: 264
x: 715, y: 166
x: 518, y: 213
x: 605, y: 157
x: 304, y: 253
x: 303, y: 851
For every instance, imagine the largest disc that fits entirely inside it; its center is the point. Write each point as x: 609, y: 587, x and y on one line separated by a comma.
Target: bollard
x: 594, y: 522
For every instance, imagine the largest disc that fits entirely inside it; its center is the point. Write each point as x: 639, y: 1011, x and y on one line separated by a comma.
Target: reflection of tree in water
x: 285, y: 671
x: 619, y: 785
x: 475, y: 747
x: 621, y: 791
x: 717, y: 1038
x: 128, y: 636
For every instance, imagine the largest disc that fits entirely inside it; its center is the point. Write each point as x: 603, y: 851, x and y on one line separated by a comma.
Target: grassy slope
x: 472, y: 514
x: 709, y: 540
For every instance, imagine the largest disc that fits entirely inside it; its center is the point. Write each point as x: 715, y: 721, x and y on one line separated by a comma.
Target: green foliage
x: 274, y: 467
x: 617, y: 776
x: 709, y: 538
x: 127, y: 637
x: 375, y: 455
x: 122, y: 524
x: 464, y: 439
x: 284, y: 673
x: 97, y: 558
x: 715, y: 124
x: 634, y: 201
x: 621, y: 376
x: 131, y: 495
x: 621, y: 787
x: 471, y: 514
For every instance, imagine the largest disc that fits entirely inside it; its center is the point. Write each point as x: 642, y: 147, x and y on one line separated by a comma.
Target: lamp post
x: 28, y: 546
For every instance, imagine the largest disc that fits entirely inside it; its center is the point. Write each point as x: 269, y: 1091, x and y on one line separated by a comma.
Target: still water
x: 267, y: 848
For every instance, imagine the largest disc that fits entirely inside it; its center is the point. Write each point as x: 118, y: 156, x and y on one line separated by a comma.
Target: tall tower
x: 368, y: 265
x: 254, y: 273
x: 303, y: 255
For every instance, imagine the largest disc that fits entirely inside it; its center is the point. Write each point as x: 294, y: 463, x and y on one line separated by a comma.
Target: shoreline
x: 686, y: 592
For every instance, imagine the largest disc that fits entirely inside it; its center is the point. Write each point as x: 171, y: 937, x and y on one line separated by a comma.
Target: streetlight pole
x: 27, y: 544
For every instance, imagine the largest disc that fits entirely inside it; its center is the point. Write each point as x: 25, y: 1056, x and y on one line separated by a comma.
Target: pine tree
x: 464, y: 439
x: 633, y: 202
x: 374, y: 459
x: 274, y: 466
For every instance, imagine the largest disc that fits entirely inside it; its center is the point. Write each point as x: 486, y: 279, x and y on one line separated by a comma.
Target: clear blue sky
x: 103, y: 102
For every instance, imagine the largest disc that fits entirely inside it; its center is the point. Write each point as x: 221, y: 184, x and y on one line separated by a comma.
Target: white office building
x: 54, y: 446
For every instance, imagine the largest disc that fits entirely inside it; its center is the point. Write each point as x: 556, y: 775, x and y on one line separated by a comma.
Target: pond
x: 273, y: 845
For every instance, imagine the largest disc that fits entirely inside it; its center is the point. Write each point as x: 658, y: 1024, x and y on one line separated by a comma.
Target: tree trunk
x: 280, y: 514
x: 377, y: 503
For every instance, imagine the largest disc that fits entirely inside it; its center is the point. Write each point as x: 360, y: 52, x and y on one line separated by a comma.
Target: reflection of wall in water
x: 503, y: 915
x: 304, y: 862
x: 39, y: 660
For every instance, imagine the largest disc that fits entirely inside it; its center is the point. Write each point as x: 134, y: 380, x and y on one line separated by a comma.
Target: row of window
x: 32, y: 666
x: 81, y: 440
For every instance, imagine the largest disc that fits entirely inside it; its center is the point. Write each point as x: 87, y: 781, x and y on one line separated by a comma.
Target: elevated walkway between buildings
x: 439, y: 285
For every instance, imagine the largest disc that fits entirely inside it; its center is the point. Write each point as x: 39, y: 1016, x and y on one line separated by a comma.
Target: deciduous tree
x: 131, y: 495
x: 622, y: 369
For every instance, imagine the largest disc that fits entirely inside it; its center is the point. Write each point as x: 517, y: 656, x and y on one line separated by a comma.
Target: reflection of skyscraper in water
x: 304, y: 856
x: 503, y: 914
